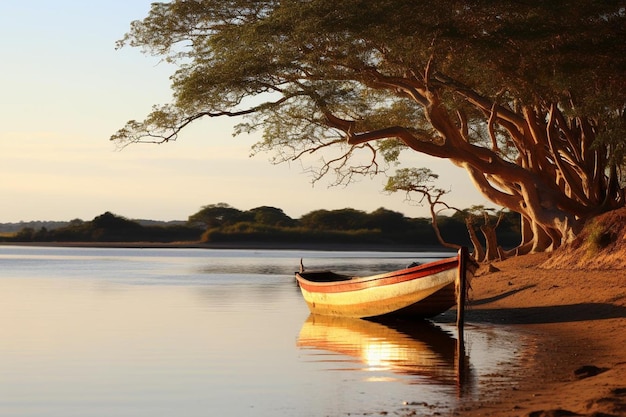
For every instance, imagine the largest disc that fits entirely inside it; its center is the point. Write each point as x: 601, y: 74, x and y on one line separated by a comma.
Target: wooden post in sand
x: 460, y: 319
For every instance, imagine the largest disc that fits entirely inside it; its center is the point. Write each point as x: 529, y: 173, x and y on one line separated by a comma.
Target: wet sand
x: 578, y: 320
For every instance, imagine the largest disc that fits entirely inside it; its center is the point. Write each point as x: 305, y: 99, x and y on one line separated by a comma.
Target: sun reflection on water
x: 378, y: 355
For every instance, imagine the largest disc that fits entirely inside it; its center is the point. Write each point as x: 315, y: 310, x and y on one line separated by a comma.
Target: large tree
x: 527, y: 96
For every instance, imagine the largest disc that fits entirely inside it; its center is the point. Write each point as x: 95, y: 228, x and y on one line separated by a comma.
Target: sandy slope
x: 579, y: 319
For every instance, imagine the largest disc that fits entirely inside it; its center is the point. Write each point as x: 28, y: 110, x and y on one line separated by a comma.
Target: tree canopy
x: 528, y: 97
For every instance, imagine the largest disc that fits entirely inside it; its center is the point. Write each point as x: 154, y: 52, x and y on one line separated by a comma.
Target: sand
x: 578, y: 319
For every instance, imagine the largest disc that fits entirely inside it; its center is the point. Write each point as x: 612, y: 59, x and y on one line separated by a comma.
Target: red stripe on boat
x: 360, y: 283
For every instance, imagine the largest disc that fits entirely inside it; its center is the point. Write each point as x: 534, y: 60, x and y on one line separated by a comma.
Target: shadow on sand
x: 500, y: 296
x: 545, y: 314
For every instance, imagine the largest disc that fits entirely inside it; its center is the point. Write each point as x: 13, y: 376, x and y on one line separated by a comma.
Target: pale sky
x: 65, y: 90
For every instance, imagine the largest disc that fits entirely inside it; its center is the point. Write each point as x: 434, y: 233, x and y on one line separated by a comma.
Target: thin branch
x: 186, y: 121
x: 315, y: 149
x: 464, y: 129
x: 491, y: 127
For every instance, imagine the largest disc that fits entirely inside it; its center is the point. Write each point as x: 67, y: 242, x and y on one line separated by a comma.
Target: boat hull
x: 421, y: 291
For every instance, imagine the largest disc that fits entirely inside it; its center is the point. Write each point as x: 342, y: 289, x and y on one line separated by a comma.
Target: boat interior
x: 324, y: 276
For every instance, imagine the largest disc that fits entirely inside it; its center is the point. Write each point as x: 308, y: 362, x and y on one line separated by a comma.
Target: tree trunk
x: 553, y: 172
x: 491, y: 242
x: 433, y: 216
x: 479, y: 251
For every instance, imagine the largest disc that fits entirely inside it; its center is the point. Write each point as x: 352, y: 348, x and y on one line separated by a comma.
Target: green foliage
x: 27, y: 234
x: 271, y: 225
x: 597, y: 239
x: 215, y: 215
x: 270, y: 216
x: 319, y: 52
x: 412, y: 180
x: 108, y: 227
x: 387, y: 221
x: 344, y: 219
x: 350, y: 226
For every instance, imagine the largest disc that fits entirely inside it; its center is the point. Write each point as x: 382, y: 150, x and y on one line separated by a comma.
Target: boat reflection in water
x: 419, y: 349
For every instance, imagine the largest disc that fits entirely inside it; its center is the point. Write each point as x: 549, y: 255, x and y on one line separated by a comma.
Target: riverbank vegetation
x: 221, y: 223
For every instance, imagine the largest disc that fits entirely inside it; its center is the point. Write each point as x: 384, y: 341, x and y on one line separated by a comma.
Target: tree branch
x: 136, y: 132
x: 478, y: 100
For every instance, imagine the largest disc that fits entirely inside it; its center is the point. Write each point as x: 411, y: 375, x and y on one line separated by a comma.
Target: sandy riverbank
x: 578, y: 319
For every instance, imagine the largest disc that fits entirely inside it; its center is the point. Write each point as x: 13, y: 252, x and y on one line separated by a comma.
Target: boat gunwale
x: 379, y: 280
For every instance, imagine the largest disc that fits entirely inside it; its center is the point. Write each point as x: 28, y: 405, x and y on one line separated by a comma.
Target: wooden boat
x: 420, y: 291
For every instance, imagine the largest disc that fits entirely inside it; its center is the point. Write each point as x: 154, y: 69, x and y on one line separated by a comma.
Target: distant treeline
x: 222, y: 223
x: 13, y: 227
x: 107, y: 227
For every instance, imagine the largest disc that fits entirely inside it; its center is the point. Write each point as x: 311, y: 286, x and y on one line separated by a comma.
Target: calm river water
x: 192, y: 332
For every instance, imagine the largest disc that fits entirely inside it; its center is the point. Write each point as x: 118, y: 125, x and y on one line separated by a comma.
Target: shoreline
x: 577, y: 319
x: 340, y: 247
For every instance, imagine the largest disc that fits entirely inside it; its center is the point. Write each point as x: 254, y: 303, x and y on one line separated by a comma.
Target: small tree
x: 488, y: 228
x: 420, y: 181
x: 342, y: 219
x: 26, y: 234
x: 388, y: 221
x: 270, y: 216
x: 215, y: 215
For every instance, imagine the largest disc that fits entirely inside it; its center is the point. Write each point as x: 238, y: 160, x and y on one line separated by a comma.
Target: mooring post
x: 461, y: 363
x: 460, y: 319
x: 462, y: 289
